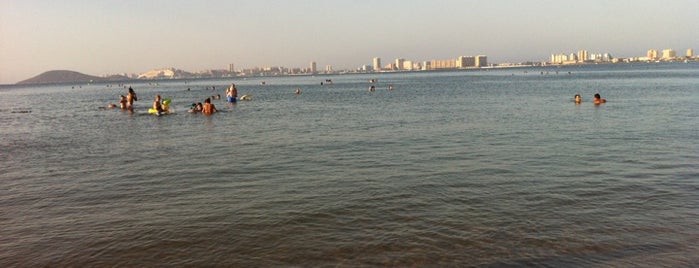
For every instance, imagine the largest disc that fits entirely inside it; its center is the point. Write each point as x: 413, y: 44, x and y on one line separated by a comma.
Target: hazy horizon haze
x: 110, y: 37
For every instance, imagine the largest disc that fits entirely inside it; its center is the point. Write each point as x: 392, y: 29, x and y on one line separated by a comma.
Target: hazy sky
x: 132, y: 36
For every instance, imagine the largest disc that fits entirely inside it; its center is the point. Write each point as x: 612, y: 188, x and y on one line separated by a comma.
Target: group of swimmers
x: 206, y: 108
x: 596, y: 99
x: 126, y: 102
x: 372, y: 88
x: 209, y: 108
x: 161, y: 106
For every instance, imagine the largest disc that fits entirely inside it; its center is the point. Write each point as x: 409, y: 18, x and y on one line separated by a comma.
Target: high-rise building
x: 652, y: 54
x: 407, y: 65
x: 442, y: 64
x: 231, y: 68
x: 607, y: 57
x: 399, y: 63
x: 328, y: 68
x: 377, y: 64
x: 559, y: 58
x: 690, y: 53
x: 313, y: 67
x: 669, y: 54
x: 573, y: 57
x: 583, y: 55
x: 481, y: 61
x: 465, y: 62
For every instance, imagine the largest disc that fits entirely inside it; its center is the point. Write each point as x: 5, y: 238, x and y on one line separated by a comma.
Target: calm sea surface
x: 473, y: 168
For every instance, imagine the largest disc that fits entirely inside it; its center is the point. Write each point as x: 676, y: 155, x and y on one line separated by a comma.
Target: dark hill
x: 61, y: 76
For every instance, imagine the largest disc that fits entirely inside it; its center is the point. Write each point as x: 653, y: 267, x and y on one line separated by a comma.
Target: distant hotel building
x: 690, y: 53
x: 583, y: 55
x: 669, y: 54
x: 481, y: 61
x: 465, y: 62
x: 652, y: 54
x: 377, y: 64
x: 231, y: 68
x: 408, y: 65
x: 561, y: 59
x: 458, y: 63
x: 442, y: 64
x: 313, y: 68
x: 399, y: 63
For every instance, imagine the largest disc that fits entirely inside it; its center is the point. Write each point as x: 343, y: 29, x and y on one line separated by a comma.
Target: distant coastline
x: 66, y: 76
x: 77, y: 78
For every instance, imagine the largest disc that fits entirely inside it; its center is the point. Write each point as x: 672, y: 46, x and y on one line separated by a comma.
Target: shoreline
x: 234, y: 78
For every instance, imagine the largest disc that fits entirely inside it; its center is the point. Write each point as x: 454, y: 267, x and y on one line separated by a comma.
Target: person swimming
x: 598, y: 99
x: 297, y: 91
x: 578, y: 99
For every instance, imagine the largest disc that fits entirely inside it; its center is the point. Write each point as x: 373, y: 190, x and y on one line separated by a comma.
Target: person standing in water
x: 130, y: 98
x: 209, y: 107
x: 232, y: 93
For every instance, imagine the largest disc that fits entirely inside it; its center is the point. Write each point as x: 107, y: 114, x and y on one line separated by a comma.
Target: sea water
x: 463, y: 168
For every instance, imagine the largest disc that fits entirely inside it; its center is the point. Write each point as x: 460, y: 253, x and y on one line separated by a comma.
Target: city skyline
x: 402, y: 64
x: 110, y: 37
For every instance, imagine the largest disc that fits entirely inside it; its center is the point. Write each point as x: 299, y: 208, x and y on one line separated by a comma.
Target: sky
x: 100, y: 37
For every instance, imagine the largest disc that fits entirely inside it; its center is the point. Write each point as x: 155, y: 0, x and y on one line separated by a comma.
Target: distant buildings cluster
x: 583, y: 56
x: 400, y: 64
x: 667, y: 55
